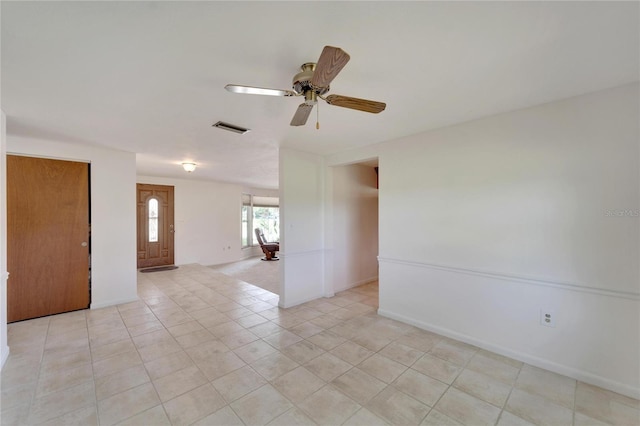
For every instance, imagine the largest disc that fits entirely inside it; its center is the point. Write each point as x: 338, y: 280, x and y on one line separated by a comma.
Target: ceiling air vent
x: 231, y: 127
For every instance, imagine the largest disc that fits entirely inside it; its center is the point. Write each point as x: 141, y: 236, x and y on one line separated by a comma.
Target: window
x: 246, y: 223
x: 259, y: 212
x: 153, y: 220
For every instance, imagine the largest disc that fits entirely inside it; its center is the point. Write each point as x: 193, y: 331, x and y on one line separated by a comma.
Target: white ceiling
x: 148, y: 77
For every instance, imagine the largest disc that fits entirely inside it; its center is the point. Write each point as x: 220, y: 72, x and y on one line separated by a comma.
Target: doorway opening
x: 355, y: 227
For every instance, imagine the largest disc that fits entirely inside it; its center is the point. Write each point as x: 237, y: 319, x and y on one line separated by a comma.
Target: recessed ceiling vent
x: 231, y: 127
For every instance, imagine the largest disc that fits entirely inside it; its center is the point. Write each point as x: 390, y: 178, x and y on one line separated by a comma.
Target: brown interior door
x: 155, y: 225
x: 47, y: 237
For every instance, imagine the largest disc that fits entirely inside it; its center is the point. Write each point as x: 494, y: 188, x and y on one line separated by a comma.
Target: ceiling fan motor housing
x: 302, y: 80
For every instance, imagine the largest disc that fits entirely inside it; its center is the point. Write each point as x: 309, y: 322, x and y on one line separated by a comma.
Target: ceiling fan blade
x: 301, y: 115
x: 355, y: 103
x: 332, y: 60
x: 250, y: 90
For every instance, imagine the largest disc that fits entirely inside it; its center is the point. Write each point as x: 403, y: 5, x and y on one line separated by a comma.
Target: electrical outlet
x: 547, y: 317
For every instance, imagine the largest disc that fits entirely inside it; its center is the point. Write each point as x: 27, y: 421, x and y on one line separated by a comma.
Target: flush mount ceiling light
x: 189, y: 167
x: 230, y: 127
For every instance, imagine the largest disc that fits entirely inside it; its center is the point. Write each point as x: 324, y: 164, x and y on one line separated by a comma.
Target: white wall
x: 4, y: 348
x: 207, y: 220
x: 301, y: 227
x: 483, y: 224
x: 113, y: 214
x: 354, y: 228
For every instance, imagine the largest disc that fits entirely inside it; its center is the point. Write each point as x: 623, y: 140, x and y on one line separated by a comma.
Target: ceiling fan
x: 313, y: 83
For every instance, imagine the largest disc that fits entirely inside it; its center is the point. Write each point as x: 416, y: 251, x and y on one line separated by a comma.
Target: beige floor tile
x: 62, y: 402
x: 293, y: 416
x: 143, y: 318
x: 454, y: 352
x: 238, y: 383
x: 557, y: 388
x: 194, y: 405
x: 437, y: 368
x: 467, y: 409
x: 401, y: 353
x: 421, y: 387
x: 239, y: 338
x: 147, y: 327
x: 329, y: 406
x: 358, y: 385
x: 17, y: 415
x: 298, y: 384
x: 261, y: 406
x: 179, y: 382
x: 583, y: 420
x: 195, y: 338
x: 364, y: 417
x: 185, y: 328
x: 223, y: 417
x: 436, y: 418
x: 155, y: 416
x: 266, y: 329
x: 220, y: 364
x: 168, y: 364
x: 206, y: 350
x: 372, y: 341
x: 483, y: 362
x: 508, y: 419
x: 14, y: 396
x: 121, y: 381
x: 152, y: 338
x: 484, y: 387
x: 108, y: 337
x: 282, y: 340
x: 116, y: 363
x: 326, y: 321
x: 225, y: 328
x: 421, y: 340
x: 55, y: 380
x: 111, y: 349
x: 87, y: 416
x: 327, y: 366
x: 382, y: 368
x: 605, y: 405
x: 303, y: 351
x: 351, y: 352
x: 54, y: 362
x: 398, y: 408
x: 306, y: 329
x: 157, y: 350
x: 538, y: 410
x: 127, y: 404
x: 273, y: 366
x: 254, y: 351
x: 327, y: 340
x: 251, y: 320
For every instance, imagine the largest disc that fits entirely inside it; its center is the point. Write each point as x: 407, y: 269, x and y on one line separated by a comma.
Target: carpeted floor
x: 254, y: 271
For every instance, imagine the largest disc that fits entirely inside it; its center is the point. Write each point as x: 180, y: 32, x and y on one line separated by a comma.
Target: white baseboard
x: 298, y: 302
x: 356, y: 284
x: 5, y: 356
x: 113, y: 302
x: 581, y: 375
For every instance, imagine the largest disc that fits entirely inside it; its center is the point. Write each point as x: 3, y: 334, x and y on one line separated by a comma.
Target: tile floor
x: 206, y: 349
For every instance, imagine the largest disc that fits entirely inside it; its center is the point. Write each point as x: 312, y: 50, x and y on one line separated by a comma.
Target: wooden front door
x: 47, y: 237
x: 155, y: 225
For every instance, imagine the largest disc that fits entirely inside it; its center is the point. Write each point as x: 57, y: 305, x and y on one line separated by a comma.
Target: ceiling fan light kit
x: 312, y: 82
